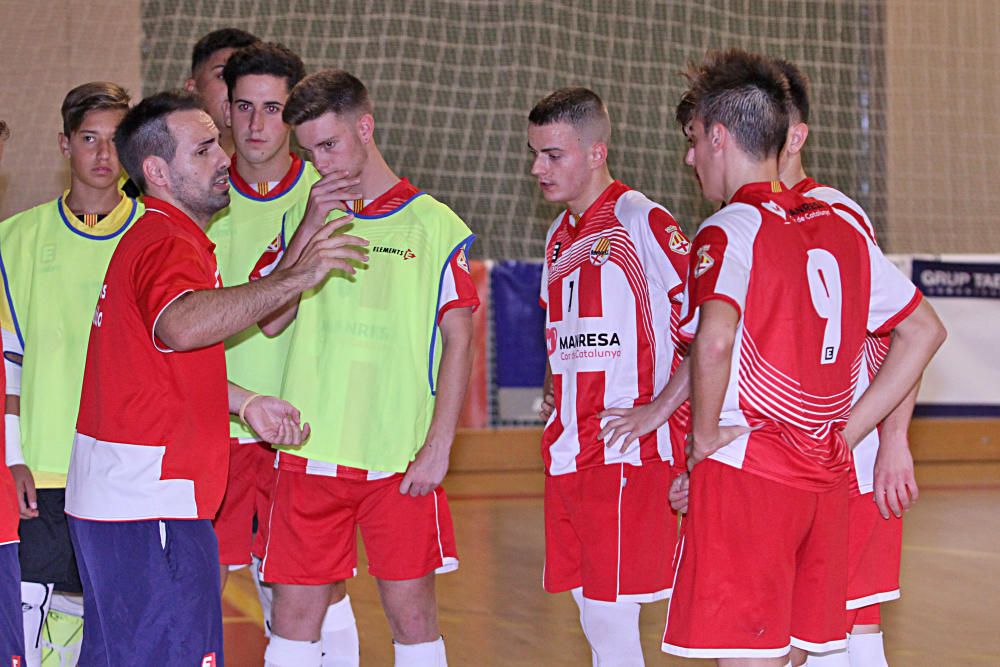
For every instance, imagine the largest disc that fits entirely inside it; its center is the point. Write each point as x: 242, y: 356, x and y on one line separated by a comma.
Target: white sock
x: 35, y: 602
x: 427, y: 654
x: 264, y: 593
x: 866, y: 650
x: 831, y: 659
x: 577, y: 594
x: 612, y: 628
x: 340, y: 636
x: 283, y: 652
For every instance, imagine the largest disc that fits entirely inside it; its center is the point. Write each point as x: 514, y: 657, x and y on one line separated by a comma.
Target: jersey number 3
x: 823, y: 274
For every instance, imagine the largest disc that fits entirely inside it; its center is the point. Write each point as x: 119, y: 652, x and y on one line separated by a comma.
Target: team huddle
x: 280, y: 350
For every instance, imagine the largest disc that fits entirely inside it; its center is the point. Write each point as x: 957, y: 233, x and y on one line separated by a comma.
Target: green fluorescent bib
x: 240, y: 233
x: 53, y: 269
x: 364, y: 355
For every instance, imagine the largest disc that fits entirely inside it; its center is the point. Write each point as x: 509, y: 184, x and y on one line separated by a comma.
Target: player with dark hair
x: 208, y: 58
x: 383, y: 400
x: 148, y: 466
x: 53, y: 258
x: 11, y: 627
x: 611, y: 285
x: 882, y: 484
x: 266, y: 179
x: 763, y: 566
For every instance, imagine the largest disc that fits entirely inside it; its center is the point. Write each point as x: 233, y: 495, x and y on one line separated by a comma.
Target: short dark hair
x: 798, y: 88
x: 91, y: 97
x: 144, y: 132
x: 576, y: 106
x: 685, y: 110
x: 329, y: 90
x: 224, y: 38
x: 746, y: 93
x: 4, y: 131
x: 269, y: 58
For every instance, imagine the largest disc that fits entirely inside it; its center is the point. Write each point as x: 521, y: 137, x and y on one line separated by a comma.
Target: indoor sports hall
x: 904, y: 119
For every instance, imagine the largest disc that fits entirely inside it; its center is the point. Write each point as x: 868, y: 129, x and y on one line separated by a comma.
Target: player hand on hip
x: 276, y: 421
x: 427, y: 470
x: 331, y: 192
x: 678, y: 494
x: 326, y: 252
x: 630, y: 424
x: 895, y: 486
x: 699, y: 449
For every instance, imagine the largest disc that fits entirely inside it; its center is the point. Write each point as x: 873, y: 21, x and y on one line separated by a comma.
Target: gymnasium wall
x: 941, y: 131
x: 46, y: 48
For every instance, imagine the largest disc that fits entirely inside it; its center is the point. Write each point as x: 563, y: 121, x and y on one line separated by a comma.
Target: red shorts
x: 763, y: 566
x: 314, y: 520
x: 874, y: 549
x: 610, y: 529
x: 248, y: 493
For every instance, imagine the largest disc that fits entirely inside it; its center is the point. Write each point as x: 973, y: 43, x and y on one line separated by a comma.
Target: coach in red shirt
x: 149, y: 461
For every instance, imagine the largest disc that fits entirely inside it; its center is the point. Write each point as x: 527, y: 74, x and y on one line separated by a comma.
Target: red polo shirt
x: 152, y: 437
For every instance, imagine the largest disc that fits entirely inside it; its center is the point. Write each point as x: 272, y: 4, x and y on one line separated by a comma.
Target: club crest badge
x: 679, y: 243
x: 705, y: 261
x: 600, y: 251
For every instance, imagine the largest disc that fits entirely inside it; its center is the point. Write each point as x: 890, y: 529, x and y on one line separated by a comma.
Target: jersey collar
x: 754, y: 191
x: 286, y: 183
x: 613, y: 191
x: 390, y: 201
x: 113, y: 224
x: 160, y: 207
x: 805, y: 185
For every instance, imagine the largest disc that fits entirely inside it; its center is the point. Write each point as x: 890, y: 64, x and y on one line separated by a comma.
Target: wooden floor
x: 493, y: 611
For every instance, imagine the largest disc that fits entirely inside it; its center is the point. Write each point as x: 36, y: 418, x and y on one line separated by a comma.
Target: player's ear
x: 717, y: 136
x: 366, y: 127
x: 154, y: 170
x: 598, y: 154
x: 797, y: 135
x: 226, y: 108
x: 64, y: 145
x: 190, y: 85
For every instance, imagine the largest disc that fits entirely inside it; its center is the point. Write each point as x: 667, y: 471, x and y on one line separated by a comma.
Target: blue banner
x: 957, y: 279
x: 518, y: 324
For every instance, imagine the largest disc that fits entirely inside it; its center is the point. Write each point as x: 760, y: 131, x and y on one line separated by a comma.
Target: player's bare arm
x: 205, y: 317
x: 895, y: 486
x: 914, y: 342
x: 633, y: 423
x: 274, y: 420
x: 329, y: 193
x: 24, y: 481
x: 711, y: 357
x: 428, y: 469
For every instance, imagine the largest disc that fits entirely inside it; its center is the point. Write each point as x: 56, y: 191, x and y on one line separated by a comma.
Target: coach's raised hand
x: 327, y: 251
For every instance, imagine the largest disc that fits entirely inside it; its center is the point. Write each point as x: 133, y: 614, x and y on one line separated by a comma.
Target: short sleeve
x: 457, y: 288
x: 719, y: 268
x: 893, y: 295
x: 665, y: 251
x: 165, y: 271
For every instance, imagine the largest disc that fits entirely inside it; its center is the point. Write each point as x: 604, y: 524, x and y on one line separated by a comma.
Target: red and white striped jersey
x: 611, y: 286
x: 808, y: 283
x: 876, y: 347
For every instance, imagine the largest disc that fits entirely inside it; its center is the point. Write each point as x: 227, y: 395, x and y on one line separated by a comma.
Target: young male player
x: 611, y: 286
x: 148, y: 466
x: 770, y: 433
x: 379, y: 364
x: 208, y: 58
x: 53, y: 258
x: 883, y: 485
x: 265, y: 181
x: 11, y: 629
